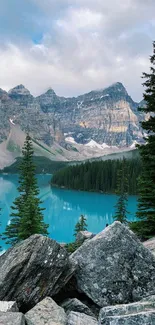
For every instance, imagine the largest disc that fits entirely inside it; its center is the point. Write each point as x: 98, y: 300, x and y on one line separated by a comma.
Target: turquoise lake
x: 63, y: 207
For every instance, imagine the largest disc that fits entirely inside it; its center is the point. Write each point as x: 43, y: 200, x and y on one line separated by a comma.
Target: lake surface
x: 63, y: 207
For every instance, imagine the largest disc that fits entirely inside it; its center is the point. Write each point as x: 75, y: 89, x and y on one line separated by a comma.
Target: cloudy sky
x: 75, y: 46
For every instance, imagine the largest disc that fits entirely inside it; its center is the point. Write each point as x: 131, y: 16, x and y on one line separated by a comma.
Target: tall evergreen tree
x: 122, y: 192
x: 145, y: 227
x: 26, y: 216
x: 81, y: 225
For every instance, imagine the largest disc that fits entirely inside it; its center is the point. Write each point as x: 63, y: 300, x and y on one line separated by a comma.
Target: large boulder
x: 80, y: 319
x: 35, y: 268
x: 12, y: 318
x: 46, y: 312
x: 8, y: 306
x: 76, y: 305
x: 114, y: 267
x: 139, y: 313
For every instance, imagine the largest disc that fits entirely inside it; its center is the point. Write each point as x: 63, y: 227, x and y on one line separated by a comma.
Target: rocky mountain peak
x: 48, y: 101
x: 118, y: 88
x: 20, y: 90
x: 21, y: 95
x: 50, y: 92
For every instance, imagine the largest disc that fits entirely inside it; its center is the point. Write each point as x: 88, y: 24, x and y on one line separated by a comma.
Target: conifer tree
x: 81, y: 225
x: 122, y: 192
x: 145, y: 227
x: 32, y: 220
x: 26, y: 216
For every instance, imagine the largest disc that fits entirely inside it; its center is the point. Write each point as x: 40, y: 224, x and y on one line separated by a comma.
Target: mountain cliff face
x: 107, y: 116
x: 19, y: 107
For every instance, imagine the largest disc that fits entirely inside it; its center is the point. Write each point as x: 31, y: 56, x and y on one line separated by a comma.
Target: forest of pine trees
x: 100, y: 176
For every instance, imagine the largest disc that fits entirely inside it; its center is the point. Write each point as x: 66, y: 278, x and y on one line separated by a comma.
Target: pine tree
x: 122, y: 192
x: 81, y: 225
x: 145, y: 227
x: 32, y: 220
x: 26, y: 216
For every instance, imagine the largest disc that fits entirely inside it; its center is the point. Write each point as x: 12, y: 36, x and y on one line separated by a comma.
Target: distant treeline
x: 100, y: 176
x: 43, y: 166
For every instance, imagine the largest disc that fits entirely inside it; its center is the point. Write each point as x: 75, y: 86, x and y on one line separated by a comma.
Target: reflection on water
x: 63, y: 207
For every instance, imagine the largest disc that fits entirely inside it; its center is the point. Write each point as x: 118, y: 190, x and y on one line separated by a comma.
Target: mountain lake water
x: 63, y: 207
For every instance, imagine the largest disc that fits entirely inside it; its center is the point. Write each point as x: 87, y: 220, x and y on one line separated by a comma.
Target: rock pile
x: 113, y: 271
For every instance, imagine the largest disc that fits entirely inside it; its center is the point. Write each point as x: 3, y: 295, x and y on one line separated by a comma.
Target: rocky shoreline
x: 109, y: 280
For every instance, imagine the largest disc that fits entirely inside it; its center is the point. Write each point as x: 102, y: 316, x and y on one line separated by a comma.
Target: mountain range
x: 90, y: 125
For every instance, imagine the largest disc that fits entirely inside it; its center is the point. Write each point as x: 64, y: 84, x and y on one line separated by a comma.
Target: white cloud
x: 84, y: 45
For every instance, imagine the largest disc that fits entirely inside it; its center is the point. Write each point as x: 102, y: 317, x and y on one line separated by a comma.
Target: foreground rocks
x: 114, y: 267
x: 12, y: 318
x: 76, y: 305
x: 81, y: 319
x: 46, y: 312
x: 8, y: 306
x: 143, y: 318
x: 36, y: 268
x: 112, y: 272
x: 138, y: 313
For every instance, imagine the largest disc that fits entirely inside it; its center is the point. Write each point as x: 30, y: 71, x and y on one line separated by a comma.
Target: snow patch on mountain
x: 69, y: 133
x: 94, y: 144
x: 79, y: 104
x: 107, y: 95
x: 70, y: 140
x: 133, y: 145
x: 11, y: 121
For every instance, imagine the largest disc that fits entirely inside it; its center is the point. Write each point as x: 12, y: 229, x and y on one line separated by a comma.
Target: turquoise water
x: 63, y: 207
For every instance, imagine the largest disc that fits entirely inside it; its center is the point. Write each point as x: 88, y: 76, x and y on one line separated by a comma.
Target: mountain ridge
x: 50, y: 89
x: 107, y: 117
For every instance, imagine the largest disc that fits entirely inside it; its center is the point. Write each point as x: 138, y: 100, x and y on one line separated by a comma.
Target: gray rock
x: 12, y: 318
x: 114, y: 267
x: 8, y: 306
x: 149, y: 298
x: 46, y: 312
x: 80, y: 319
x: 35, y: 268
x: 84, y: 235
x: 126, y: 309
x: 76, y: 305
x: 143, y: 318
x: 150, y: 244
x: 142, y: 312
